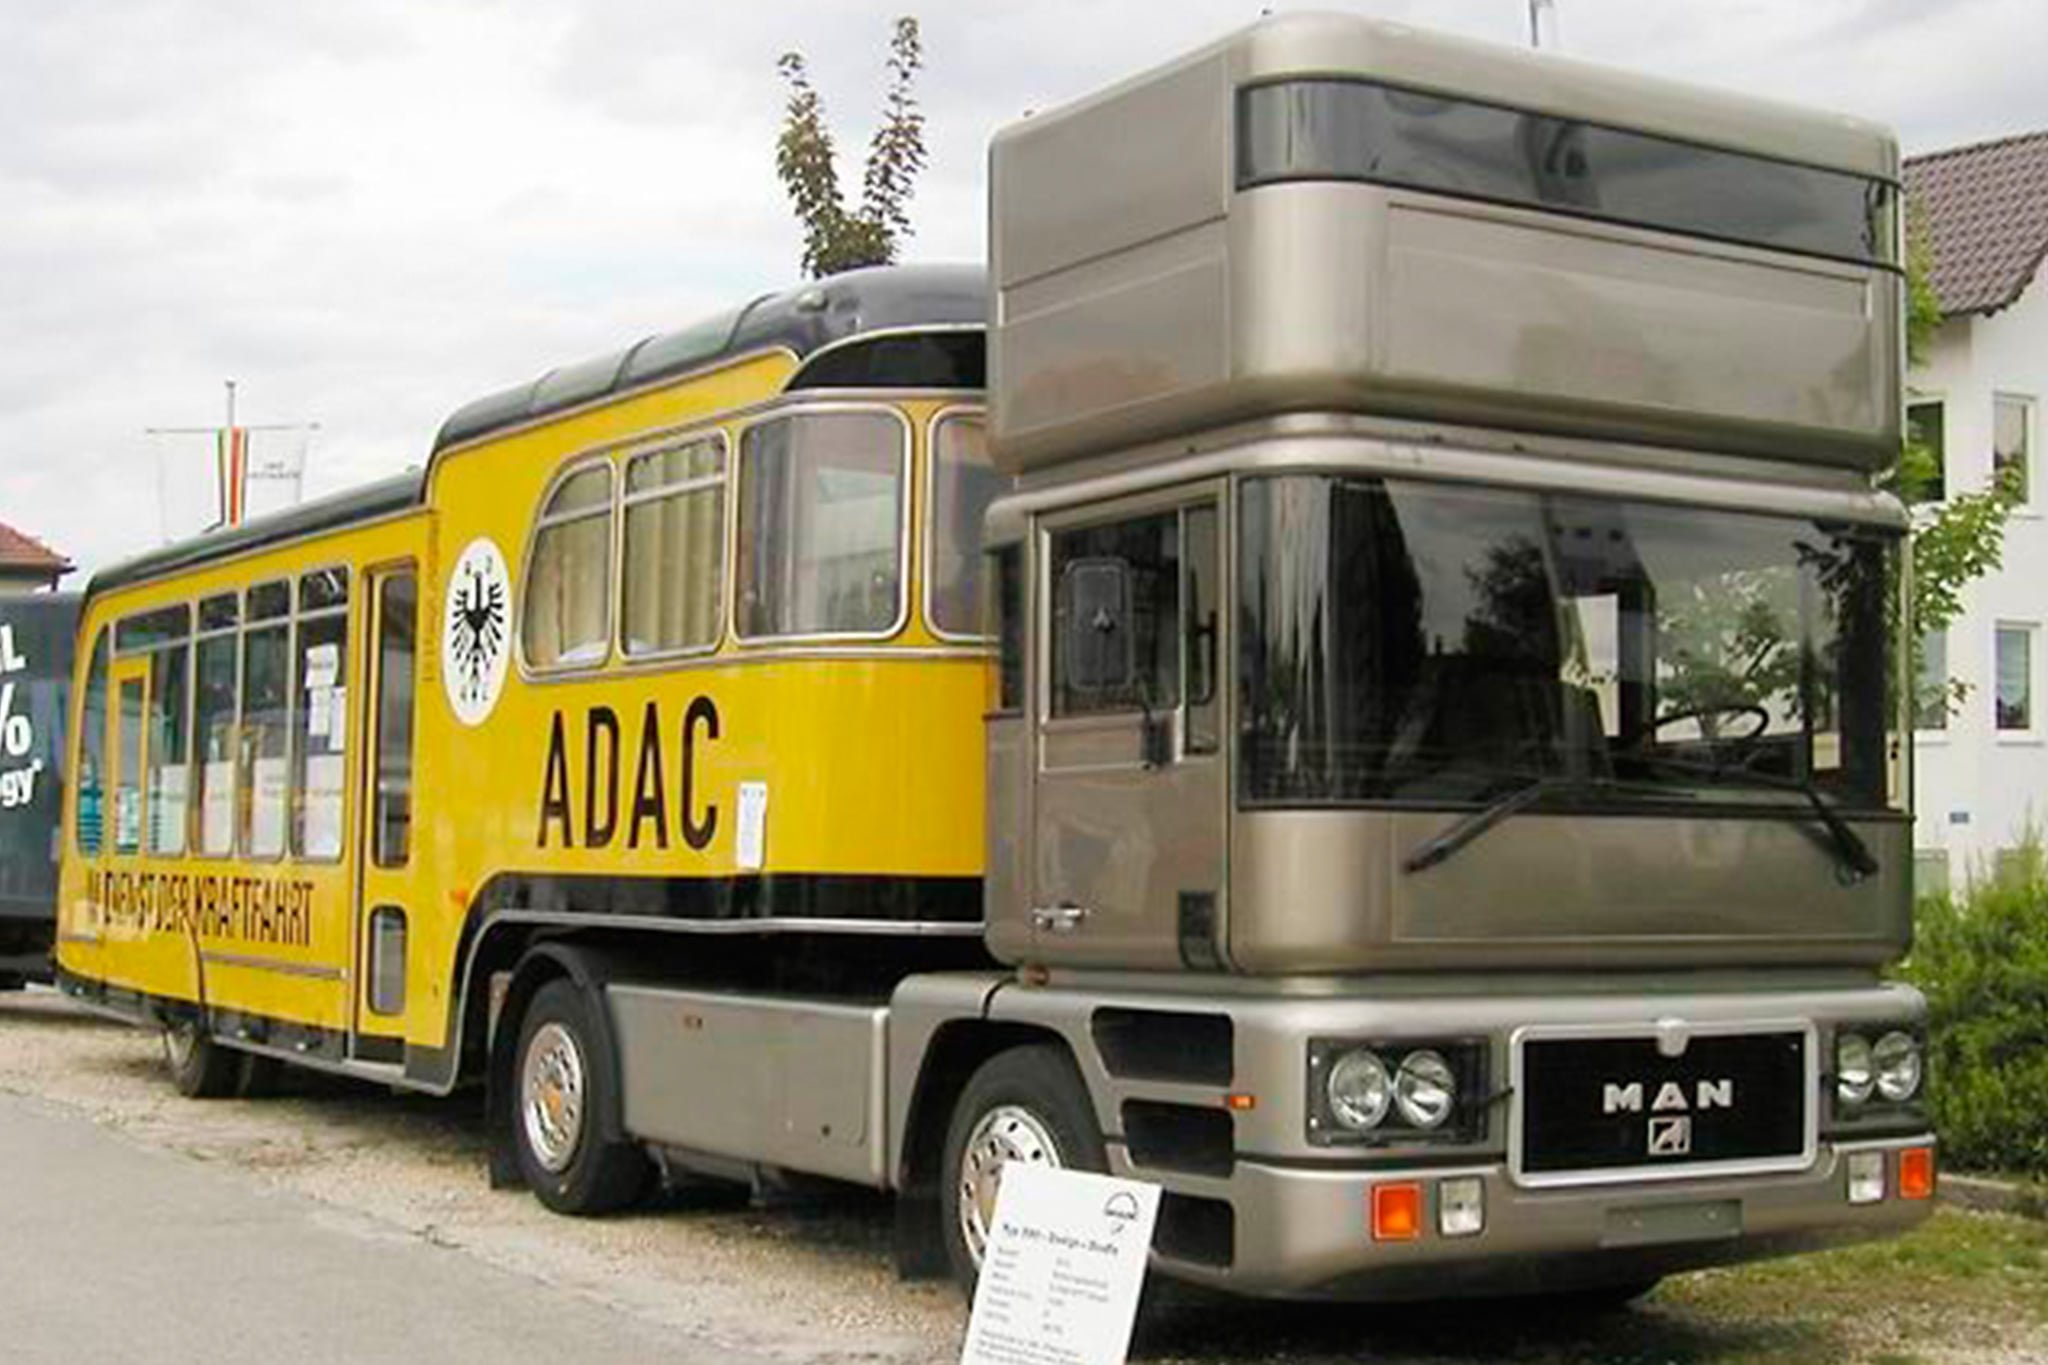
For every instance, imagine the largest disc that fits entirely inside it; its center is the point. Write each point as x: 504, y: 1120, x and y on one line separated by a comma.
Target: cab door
x: 384, y: 852
x: 1129, y: 796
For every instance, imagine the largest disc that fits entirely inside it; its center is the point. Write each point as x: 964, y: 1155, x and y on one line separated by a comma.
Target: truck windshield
x: 1410, y: 642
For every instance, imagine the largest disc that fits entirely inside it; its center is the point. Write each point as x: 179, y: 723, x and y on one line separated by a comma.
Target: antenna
x: 1543, y: 23
x: 240, y: 458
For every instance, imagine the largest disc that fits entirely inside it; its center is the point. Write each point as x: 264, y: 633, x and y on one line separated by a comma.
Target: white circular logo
x: 476, y: 631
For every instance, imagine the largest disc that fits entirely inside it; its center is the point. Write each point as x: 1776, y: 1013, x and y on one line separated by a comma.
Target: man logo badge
x: 1671, y: 1136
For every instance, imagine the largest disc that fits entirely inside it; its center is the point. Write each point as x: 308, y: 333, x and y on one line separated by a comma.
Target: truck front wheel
x: 557, y: 1132
x: 1025, y: 1105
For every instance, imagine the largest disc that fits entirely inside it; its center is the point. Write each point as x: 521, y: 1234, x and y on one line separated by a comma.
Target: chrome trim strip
x: 1647, y: 1030
x: 311, y: 970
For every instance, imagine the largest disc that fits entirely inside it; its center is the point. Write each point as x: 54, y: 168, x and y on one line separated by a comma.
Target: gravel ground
x: 813, y: 1281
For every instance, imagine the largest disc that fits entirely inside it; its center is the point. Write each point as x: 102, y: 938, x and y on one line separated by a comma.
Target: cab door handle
x: 1064, y: 918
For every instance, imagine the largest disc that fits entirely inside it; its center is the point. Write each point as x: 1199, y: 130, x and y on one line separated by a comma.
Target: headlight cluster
x: 1889, y: 1069
x: 1392, y: 1091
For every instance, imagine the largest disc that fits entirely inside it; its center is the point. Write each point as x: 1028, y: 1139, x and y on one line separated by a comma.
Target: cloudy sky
x: 367, y: 213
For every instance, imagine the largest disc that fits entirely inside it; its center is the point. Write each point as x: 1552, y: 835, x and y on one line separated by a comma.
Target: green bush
x: 1981, y: 957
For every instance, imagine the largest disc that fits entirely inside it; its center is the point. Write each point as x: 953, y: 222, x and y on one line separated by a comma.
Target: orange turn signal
x: 1916, y: 1173
x: 1396, y: 1212
x: 1240, y: 1103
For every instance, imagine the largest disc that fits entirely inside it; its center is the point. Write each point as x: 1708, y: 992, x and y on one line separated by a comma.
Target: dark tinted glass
x: 1148, y: 551
x: 1434, y: 643
x: 1351, y: 130
x: 152, y: 630
x: 219, y: 613
x: 268, y: 601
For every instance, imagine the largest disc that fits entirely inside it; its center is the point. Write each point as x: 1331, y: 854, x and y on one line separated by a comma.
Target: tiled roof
x: 25, y: 552
x: 1984, y: 211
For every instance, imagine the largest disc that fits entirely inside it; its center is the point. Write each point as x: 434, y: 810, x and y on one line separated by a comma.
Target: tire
x: 200, y: 1068
x: 1026, y: 1104
x: 260, y: 1077
x: 558, y: 1086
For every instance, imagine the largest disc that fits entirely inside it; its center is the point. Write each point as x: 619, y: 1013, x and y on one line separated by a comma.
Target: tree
x: 806, y: 161
x: 1962, y: 538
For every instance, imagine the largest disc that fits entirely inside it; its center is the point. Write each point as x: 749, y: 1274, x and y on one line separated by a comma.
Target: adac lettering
x: 633, y: 782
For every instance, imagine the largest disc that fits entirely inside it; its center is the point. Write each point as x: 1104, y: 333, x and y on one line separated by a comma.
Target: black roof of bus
x: 803, y: 320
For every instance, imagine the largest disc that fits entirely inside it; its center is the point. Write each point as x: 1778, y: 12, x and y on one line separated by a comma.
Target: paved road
x: 113, y: 1251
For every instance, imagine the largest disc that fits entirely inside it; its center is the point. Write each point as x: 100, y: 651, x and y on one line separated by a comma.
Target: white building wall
x: 1978, y: 790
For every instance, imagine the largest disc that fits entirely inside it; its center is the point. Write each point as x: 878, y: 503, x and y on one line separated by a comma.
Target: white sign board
x: 1060, y: 1278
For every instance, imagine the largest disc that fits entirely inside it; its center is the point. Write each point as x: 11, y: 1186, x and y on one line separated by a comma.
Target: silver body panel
x: 784, y: 1082
x: 1138, y: 291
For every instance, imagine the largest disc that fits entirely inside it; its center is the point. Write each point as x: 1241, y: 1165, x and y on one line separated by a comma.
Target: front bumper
x: 1306, y: 1233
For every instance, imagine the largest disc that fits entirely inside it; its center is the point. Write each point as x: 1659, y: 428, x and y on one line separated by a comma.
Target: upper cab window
x: 821, y: 525
x: 674, y: 580
x: 567, y: 617
x: 963, y: 484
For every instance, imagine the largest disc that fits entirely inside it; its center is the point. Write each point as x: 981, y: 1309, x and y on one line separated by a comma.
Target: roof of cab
x: 800, y: 320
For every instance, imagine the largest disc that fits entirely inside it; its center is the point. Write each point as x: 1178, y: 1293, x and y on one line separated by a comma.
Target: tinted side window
x: 1148, y: 549
x: 964, y: 483
x: 320, y: 729
x: 91, y: 769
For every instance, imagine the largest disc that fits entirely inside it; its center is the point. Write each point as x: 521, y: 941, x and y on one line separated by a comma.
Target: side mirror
x: 1101, y: 651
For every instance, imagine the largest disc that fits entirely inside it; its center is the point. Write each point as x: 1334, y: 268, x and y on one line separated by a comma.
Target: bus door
x: 384, y: 908
x: 127, y: 725
x: 1129, y: 801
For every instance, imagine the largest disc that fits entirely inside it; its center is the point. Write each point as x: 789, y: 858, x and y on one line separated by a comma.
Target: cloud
x: 368, y: 214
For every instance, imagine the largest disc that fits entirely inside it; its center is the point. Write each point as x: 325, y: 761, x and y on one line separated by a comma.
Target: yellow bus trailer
x: 1428, y: 787
x: 683, y: 641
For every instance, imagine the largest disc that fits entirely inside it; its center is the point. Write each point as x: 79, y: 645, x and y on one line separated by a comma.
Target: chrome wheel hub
x: 1006, y: 1133
x: 551, y: 1091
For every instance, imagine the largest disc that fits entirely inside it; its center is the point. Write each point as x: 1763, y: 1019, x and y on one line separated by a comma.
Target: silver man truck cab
x: 1447, y: 794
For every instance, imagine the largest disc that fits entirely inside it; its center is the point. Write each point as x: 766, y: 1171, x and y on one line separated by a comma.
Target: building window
x: 2015, y: 671
x: 821, y: 525
x: 568, y: 584
x: 2012, y: 443
x: 674, y: 583
x: 1930, y: 694
x: 1927, y: 428
x: 1930, y: 872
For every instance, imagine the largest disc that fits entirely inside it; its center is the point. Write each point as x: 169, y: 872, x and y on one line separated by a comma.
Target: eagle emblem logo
x: 476, y: 633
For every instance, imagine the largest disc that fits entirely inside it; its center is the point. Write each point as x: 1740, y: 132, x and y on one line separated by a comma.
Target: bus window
x: 397, y: 635
x: 266, y: 716
x: 90, y: 770
x: 170, y: 710
x: 320, y: 718
x: 821, y: 525
x: 568, y: 585
x: 215, y: 693
x: 673, y: 584
x: 963, y: 485
x: 128, y: 765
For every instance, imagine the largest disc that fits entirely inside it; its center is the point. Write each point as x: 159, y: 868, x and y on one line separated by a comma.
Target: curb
x: 1982, y: 1195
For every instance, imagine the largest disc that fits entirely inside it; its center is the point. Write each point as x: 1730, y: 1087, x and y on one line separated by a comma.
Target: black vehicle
x: 36, y: 633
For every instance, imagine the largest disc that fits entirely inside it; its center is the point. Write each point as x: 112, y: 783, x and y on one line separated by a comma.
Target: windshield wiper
x: 1437, y: 848
x: 1852, y: 856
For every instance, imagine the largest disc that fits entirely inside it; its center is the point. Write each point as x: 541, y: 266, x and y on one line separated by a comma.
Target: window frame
x: 200, y: 638
x: 1938, y: 400
x: 724, y: 482
x: 929, y: 547
x: 543, y: 521
x: 2028, y: 501
x: 907, y: 473
x: 245, y: 774
x: 1933, y: 732
x: 295, y: 760
x: 2030, y: 631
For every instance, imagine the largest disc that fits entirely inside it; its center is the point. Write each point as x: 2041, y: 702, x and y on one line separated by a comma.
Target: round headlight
x: 1853, y: 1080
x: 1359, y: 1090
x: 1897, y: 1059
x: 1425, y: 1089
